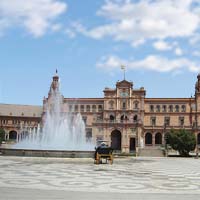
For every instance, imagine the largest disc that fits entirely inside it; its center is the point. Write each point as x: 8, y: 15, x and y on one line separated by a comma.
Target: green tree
x: 2, y: 135
x: 182, y: 141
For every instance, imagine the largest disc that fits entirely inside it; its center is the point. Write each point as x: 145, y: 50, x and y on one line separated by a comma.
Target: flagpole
x: 124, y: 69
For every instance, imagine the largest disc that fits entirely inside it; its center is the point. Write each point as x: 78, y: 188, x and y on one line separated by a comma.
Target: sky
x: 87, y: 41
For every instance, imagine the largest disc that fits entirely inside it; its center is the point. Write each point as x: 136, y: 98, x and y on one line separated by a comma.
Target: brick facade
x: 124, y: 116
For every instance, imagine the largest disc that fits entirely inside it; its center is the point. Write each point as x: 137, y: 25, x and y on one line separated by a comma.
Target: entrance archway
x: 158, y: 138
x: 116, y: 140
x: 132, y: 144
x: 148, y: 139
x: 12, y: 135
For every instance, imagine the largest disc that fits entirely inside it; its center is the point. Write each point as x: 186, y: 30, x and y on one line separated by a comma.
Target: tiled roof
x: 20, y: 110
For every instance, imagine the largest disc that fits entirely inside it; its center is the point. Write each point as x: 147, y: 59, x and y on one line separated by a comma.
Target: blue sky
x: 87, y: 41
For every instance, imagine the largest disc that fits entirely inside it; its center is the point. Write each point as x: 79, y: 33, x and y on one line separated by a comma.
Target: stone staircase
x: 151, y: 152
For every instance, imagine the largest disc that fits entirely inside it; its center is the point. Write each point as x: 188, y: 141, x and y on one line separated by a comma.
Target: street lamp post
x: 165, y: 143
x: 196, y: 127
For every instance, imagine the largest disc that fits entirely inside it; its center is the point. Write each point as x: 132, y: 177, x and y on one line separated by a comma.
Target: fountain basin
x: 47, y: 153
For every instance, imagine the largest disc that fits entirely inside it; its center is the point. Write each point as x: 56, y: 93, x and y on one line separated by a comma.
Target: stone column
x: 17, y: 137
x: 153, y: 139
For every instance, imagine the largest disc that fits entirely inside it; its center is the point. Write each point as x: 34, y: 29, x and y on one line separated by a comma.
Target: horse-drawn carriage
x: 103, y: 152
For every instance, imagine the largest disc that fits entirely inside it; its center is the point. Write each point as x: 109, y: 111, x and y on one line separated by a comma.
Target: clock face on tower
x: 124, y: 93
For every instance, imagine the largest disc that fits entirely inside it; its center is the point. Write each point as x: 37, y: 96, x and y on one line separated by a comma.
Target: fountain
x: 62, y: 134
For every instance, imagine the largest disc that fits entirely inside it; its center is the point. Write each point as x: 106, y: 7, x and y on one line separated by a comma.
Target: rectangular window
x: 153, y: 121
x: 167, y: 121
x: 124, y: 105
x: 82, y: 108
x: 70, y: 108
x: 88, y: 134
x: 4, y: 122
x: 181, y: 121
x: 85, y: 119
x: 76, y: 108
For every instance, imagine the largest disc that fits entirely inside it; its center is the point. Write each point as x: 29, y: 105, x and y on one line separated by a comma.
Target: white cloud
x: 162, y: 45
x: 138, y: 42
x: 145, y: 19
x: 56, y: 27
x: 194, y: 39
x: 37, y: 16
x: 196, y: 53
x: 151, y: 62
x: 178, y: 51
x: 70, y: 33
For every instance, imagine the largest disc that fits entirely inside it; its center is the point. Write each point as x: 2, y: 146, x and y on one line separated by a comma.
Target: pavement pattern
x: 126, y: 175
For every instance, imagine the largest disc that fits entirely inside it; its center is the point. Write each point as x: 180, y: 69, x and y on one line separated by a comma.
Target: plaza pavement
x: 24, y: 178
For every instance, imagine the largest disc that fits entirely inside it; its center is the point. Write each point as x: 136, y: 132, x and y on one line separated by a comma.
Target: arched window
x: 88, y: 108
x: 82, y: 108
x: 112, y: 118
x: 94, y: 108
x: 177, y: 108
x: 135, y: 118
x: 100, y: 108
x: 12, y: 135
x: 158, y: 108
x: 158, y: 138
x: 76, y: 108
x: 170, y: 108
x: 164, y: 108
x: 148, y: 139
x: 122, y: 118
x: 151, y: 108
x: 183, y: 108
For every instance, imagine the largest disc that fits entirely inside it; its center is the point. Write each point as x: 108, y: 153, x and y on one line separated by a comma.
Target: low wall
x: 47, y: 153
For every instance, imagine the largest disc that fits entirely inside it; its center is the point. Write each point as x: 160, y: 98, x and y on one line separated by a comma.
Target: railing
x: 116, y: 121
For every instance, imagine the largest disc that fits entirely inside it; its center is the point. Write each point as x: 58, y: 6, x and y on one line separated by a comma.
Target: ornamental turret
x: 55, y: 84
x: 197, y: 86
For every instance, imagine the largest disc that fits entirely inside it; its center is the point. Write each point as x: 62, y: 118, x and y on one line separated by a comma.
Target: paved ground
x: 133, y: 178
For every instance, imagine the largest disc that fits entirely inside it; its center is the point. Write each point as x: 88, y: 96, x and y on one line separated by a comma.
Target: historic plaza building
x: 123, y: 116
